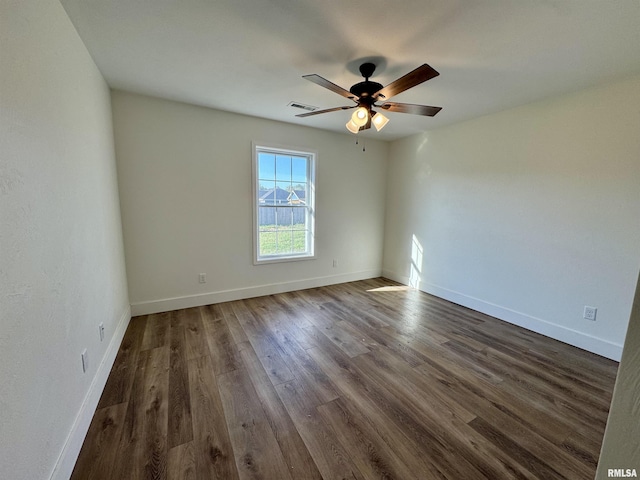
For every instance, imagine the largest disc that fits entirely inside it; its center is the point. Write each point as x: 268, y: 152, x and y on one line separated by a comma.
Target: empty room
x: 319, y: 239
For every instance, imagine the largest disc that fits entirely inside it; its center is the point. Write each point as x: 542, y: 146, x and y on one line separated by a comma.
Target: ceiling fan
x: 366, y: 94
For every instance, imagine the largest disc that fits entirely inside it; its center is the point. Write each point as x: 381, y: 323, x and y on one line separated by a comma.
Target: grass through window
x: 276, y: 240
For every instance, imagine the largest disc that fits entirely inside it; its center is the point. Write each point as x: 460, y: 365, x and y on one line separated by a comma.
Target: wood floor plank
x: 154, y: 437
x: 370, y: 453
x: 353, y: 314
x: 574, y: 391
x: 330, y: 456
x: 284, y: 323
x: 452, y: 445
x: 222, y: 347
x: 292, y: 447
x: 213, y: 451
x: 600, y: 378
x: 536, y: 386
x: 536, y: 436
x: 181, y: 462
x: 359, y: 390
x: 290, y: 305
x: 257, y: 453
x: 157, y: 332
x: 340, y: 334
x: 317, y: 384
x: 120, y: 380
x: 194, y: 334
x: 276, y: 368
x: 497, y: 465
x: 237, y: 332
x: 460, y: 363
x: 332, y: 326
x: 367, y: 379
x: 400, y: 376
x: 269, y: 340
x: 388, y: 339
x: 180, y: 427
x: 142, y: 451
x: 490, y: 399
x: 101, y: 444
x: 261, y: 339
x: 583, y: 448
x: 453, y: 451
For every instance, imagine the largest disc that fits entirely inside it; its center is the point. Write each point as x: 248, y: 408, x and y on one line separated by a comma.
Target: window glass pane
x: 299, y: 218
x: 298, y: 225
x: 266, y: 193
x: 285, y: 243
x: 284, y: 217
x: 266, y: 166
x: 283, y: 167
x: 282, y: 192
x: 266, y: 218
x: 299, y: 241
x: 267, y: 243
x: 298, y: 170
x: 300, y: 191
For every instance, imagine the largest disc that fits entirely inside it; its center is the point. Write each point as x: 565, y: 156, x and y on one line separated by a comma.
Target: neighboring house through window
x: 284, y: 192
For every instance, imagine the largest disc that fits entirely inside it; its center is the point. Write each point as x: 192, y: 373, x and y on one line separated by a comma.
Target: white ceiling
x: 248, y: 56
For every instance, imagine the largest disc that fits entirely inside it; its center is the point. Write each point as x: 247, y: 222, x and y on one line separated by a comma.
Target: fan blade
x: 411, y: 108
x: 318, y: 112
x: 411, y: 79
x: 323, y: 82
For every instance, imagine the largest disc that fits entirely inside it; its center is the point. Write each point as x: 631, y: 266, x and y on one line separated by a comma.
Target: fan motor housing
x: 365, y: 89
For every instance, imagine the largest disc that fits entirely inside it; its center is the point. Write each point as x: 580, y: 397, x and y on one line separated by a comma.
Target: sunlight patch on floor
x: 391, y: 288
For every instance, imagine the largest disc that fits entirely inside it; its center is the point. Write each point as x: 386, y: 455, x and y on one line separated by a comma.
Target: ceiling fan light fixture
x: 366, y: 94
x: 379, y: 120
x: 360, y: 116
x: 352, y: 127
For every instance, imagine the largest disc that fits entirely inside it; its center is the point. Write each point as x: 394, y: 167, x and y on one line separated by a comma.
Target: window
x: 283, y: 204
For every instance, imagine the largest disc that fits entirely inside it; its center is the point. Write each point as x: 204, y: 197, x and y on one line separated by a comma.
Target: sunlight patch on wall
x: 416, y: 263
x: 423, y: 142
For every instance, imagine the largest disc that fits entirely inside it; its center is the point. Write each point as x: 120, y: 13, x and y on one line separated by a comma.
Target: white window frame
x: 312, y: 156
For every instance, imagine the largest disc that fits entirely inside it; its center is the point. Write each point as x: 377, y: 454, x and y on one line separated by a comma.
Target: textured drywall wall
x: 61, y: 254
x: 528, y: 215
x: 186, y: 192
x: 621, y: 444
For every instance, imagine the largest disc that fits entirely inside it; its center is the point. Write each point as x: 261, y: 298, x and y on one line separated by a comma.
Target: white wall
x: 528, y: 215
x: 620, y: 446
x: 61, y: 254
x: 186, y: 191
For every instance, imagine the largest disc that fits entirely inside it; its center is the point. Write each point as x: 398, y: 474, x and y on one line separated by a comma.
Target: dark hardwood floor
x: 367, y: 379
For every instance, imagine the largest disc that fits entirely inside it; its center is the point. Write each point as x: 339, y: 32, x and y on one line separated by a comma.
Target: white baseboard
x: 177, y: 303
x: 67, y: 459
x: 558, y: 332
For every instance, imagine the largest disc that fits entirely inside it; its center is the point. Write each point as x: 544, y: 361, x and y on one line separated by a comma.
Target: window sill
x: 296, y: 258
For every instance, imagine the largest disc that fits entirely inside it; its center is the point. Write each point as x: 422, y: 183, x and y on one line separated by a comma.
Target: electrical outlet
x: 335, y: 263
x: 590, y: 313
x: 85, y: 360
x: 202, y: 278
x: 101, y: 329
